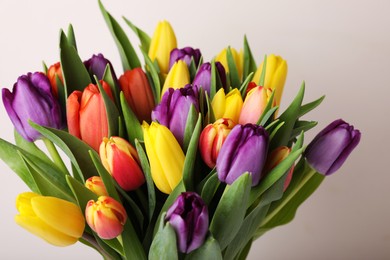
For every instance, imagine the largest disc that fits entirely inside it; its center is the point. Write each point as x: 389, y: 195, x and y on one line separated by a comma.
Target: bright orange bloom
x: 53, y: 72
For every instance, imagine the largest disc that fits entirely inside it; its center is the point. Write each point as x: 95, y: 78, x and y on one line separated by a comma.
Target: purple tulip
x: 189, y: 217
x: 31, y: 99
x: 244, y: 150
x: 203, y: 76
x: 96, y: 65
x: 185, y: 54
x: 332, y: 146
x: 173, y: 110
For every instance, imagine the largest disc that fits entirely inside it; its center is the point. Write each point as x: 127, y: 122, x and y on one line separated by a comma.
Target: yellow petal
x: 234, y: 104
x: 219, y: 103
x: 23, y: 203
x: 178, y: 77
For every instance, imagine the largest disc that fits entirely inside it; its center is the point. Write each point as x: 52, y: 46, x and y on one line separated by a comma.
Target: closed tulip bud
x: 106, y: 217
x: 178, y: 77
x: 58, y: 222
x: 227, y: 106
x: 254, y: 104
x: 186, y: 54
x: 237, y: 57
x: 121, y: 161
x: 31, y: 99
x: 332, y: 146
x: 275, y: 75
x: 212, y: 138
x: 189, y: 217
x: 161, y: 45
x: 165, y: 155
x: 97, y: 64
x: 203, y: 76
x: 138, y: 93
x: 53, y: 72
x: 276, y: 157
x: 83, y: 108
x: 174, y: 109
x: 244, y: 150
x: 96, y: 185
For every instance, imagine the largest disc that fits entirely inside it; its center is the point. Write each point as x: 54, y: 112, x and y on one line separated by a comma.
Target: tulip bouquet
x: 176, y: 159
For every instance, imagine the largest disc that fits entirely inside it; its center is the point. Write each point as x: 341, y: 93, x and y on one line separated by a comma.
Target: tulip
x: 53, y: 72
x: 332, y: 146
x: 174, y: 108
x: 227, y: 106
x: 106, y: 217
x: 138, y: 93
x: 59, y: 222
x: 84, y: 108
x: 186, y: 54
x: 212, y: 138
x: 203, y: 76
x: 165, y: 155
x: 161, y: 45
x: 31, y: 99
x: 96, y: 185
x: 189, y: 217
x: 237, y: 57
x: 121, y: 161
x: 97, y: 64
x: 244, y: 150
x: 275, y: 75
x: 276, y: 157
x: 178, y: 77
x: 254, y: 104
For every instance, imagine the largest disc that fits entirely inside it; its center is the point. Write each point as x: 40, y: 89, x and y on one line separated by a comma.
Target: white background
x: 340, y: 48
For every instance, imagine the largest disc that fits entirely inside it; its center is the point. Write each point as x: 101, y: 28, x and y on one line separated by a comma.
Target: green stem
x: 55, y: 155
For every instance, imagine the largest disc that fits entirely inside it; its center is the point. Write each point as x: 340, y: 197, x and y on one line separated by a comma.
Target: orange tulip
x: 86, y: 115
x: 53, y: 72
x: 96, y: 185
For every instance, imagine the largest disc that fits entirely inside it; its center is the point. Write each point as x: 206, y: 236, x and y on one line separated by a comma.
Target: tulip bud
x: 178, y: 77
x: 189, y: 217
x: 203, y: 76
x: 174, y: 108
x: 244, y: 150
x: 254, y: 104
x: 332, y: 146
x: 85, y: 107
x: 165, y: 156
x: 53, y: 72
x: 161, y: 45
x: 212, y: 138
x: 59, y: 222
x: 237, y: 57
x: 275, y: 75
x: 96, y: 185
x: 228, y: 106
x: 186, y: 54
x: 106, y: 217
x: 96, y: 65
x: 31, y: 99
x: 276, y: 157
x: 121, y: 161
x: 138, y: 93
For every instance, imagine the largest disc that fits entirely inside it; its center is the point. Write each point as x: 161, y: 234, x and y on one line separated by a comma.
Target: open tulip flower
x: 227, y: 106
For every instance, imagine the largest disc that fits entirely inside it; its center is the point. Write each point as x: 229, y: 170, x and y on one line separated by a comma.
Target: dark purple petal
x: 200, y: 230
x: 186, y: 54
x: 181, y: 229
x: 97, y: 64
x: 203, y: 76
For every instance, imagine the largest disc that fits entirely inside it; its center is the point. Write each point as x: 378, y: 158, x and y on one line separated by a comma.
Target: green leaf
x: 164, y: 244
x: 209, y: 250
x: 302, y: 126
x: 82, y: 194
x: 244, y: 251
x: 244, y: 85
x: 235, y: 80
x: 131, y: 244
x: 76, y: 150
x: 192, y: 120
x: 210, y: 188
x: 310, y: 106
x: 215, y: 80
x: 133, y: 127
x: 275, y: 130
x: 263, y: 72
x: 153, y: 69
x: 127, y: 53
x: 249, y: 61
x: 266, y: 115
x: 30, y: 147
x: 231, y: 210
x: 112, y: 82
x: 143, y: 37
x: 71, y: 37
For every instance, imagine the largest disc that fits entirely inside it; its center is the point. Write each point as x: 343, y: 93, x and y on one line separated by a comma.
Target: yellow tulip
x: 165, y: 156
x: 178, y: 77
x: 59, y: 222
x: 161, y: 45
x: 238, y: 60
x: 275, y: 75
x: 227, y: 106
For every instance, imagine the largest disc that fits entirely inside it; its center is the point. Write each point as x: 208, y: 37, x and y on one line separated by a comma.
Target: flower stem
x: 55, y: 155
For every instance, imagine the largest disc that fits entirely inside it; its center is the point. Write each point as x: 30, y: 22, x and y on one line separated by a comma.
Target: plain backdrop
x: 340, y: 48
